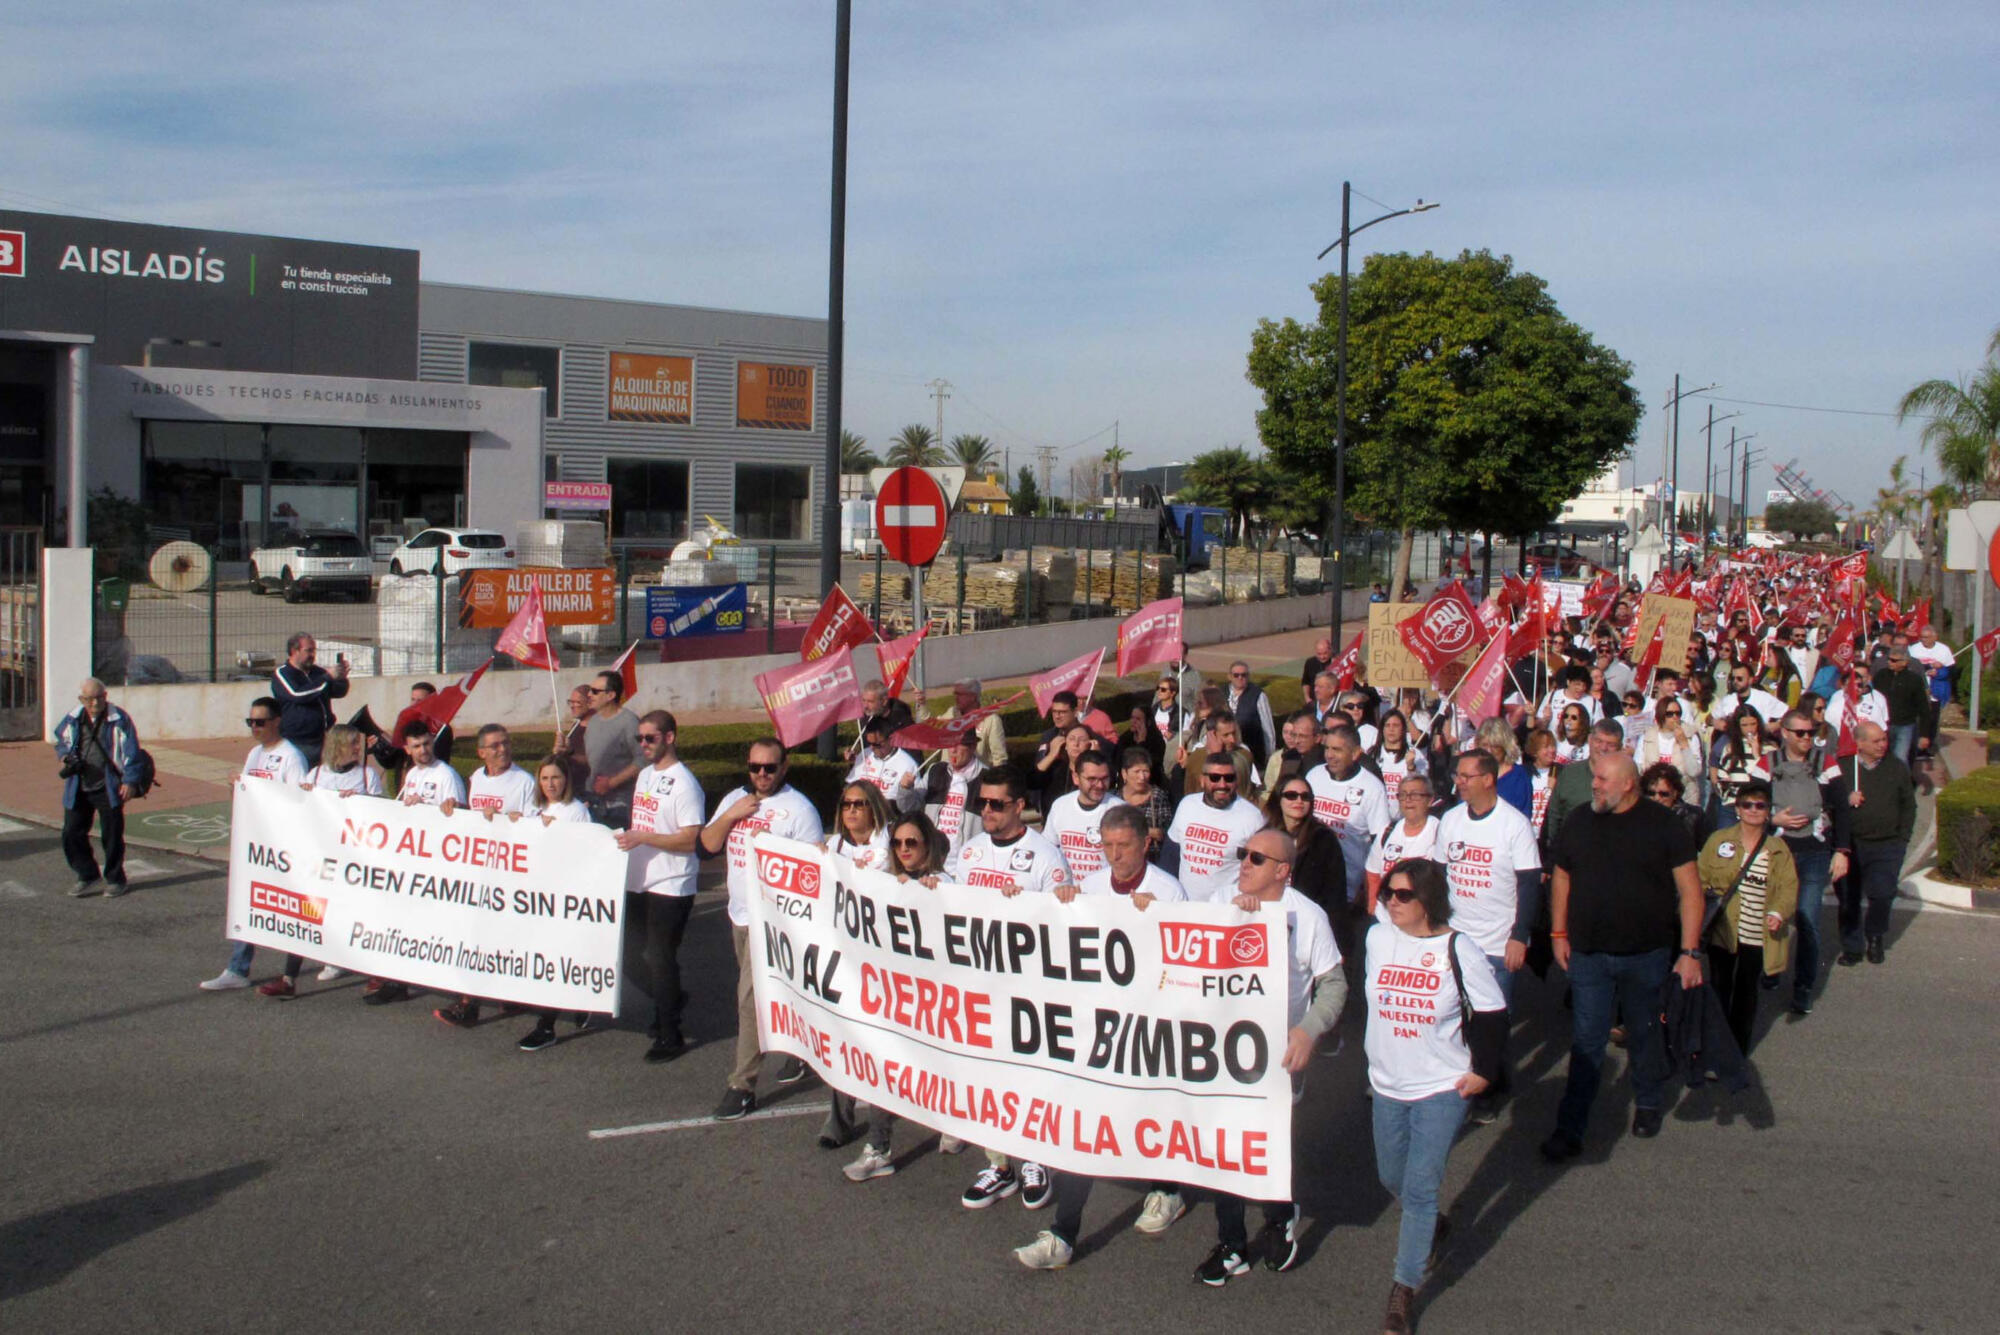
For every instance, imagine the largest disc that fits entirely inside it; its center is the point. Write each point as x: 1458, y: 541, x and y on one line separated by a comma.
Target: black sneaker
x: 1038, y: 1186
x: 1223, y: 1264
x: 1802, y: 1005
x: 666, y: 1049
x: 735, y: 1103
x: 1561, y: 1147
x: 462, y: 1016
x: 385, y: 994
x: 793, y: 1071
x: 992, y: 1184
x: 1279, y: 1241
x: 1646, y: 1123
x: 541, y: 1036
x: 1485, y: 1110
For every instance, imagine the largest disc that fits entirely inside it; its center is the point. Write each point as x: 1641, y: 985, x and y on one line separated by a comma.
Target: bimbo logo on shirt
x: 1195, y: 946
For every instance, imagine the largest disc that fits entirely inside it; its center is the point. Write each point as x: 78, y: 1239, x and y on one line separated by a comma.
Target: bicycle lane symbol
x: 192, y: 828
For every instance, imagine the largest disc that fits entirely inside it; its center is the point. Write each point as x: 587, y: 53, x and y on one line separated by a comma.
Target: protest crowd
x: 1645, y: 798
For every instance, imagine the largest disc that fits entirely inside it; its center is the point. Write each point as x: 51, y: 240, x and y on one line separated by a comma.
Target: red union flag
x: 1150, y: 635
x: 1348, y: 664
x: 1985, y: 645
x: 1841, y: 642
x: 1484, y: 689
x: 527, y: 635
x: 1445, y: 628
x: 937, y: 733
x: 806, y: 699
x: 838, y: 624
x: 440, y: 708
x: 895, y: 658
x: 1078, y: 675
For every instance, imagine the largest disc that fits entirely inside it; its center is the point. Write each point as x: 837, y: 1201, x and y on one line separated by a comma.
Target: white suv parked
x: 313, y: 564
x: 454, y: 549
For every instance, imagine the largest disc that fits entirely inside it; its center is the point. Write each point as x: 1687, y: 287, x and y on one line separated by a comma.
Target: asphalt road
x: 198, y: 1162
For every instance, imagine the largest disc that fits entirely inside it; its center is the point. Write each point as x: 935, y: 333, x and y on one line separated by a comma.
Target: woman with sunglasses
x: 1437, y: 1024
x: 1753, y: 890
x: 1413, y: 834
x: 1813, y: 706
x: 1572, y: 734
x: 1394, y: 756
x: 554, y: 801
x: 1661, y: 782
x: 1671, y: 741
x: 1319, y: 868
x: 861, y: 827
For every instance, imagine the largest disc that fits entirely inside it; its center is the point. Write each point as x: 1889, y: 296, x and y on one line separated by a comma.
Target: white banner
x: 1092, y: 1036
x: 1566, y: 596
x: 508, y: 910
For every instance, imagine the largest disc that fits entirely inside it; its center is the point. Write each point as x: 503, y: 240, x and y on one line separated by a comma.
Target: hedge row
x: 1968, y: 825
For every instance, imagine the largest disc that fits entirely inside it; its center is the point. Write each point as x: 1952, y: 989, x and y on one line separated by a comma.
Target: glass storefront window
x: 649, y: 498
x: 771, y: 501
x: 517, y: 366
x: 205, y: 480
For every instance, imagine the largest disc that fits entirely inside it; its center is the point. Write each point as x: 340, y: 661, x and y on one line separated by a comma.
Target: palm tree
x: 915, y: 447
x: 1230, y: 479
x: 1964, y: 426
x: 973, y: 453
x: 855, y: 456
x: 1114, y: 459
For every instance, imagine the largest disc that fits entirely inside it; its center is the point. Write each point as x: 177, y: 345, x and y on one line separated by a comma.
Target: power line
x: 1812, y: 407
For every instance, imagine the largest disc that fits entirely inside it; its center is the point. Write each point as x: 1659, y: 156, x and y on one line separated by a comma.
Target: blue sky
x: 1076, y: 214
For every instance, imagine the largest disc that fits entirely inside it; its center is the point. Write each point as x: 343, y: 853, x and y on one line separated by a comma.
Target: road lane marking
x: 15, y: 890
x: 137, y: 867
x: 12, y: 826
x: 687, y: 1123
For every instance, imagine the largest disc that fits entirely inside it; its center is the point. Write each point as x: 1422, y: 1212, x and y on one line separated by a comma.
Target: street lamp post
x: 1669, y: 513
x: 1708, y: 486
x: 1347, y: 235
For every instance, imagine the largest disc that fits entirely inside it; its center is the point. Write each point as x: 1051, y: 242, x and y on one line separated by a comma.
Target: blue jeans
x: 1903, y: 741
x: 1815, y: 864
x: 239, y: 958
x: 1602, y: 986
x: 1412, y: 1141
x: 1503, y: 977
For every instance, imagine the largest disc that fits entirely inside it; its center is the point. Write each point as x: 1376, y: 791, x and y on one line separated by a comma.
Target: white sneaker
x: 950, y: 1145
x: 226, y: 982
x: 1046, y: 1252
x: 872, y: 1163
x: 1162, y: 1209
x: 331, y: 972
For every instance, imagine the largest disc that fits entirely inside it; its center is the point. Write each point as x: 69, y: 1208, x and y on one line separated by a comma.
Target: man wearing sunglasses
x: 272, y: 759
x: 665, y: 830
x: 1208, y: 829
x: 1349, y: 799
x: 1744, y: 693
x: 1810, y: 810
x: 1127, y: 874
x: 611, y: 745
x: 1315, y: 992
x: 765, y: 804
x: 1009, y: 857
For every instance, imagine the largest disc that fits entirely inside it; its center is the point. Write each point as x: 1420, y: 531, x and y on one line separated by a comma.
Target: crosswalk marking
x: 687, y: 1123
x: 11, y: 826
x: 15, y: 890
x: 138, y: 867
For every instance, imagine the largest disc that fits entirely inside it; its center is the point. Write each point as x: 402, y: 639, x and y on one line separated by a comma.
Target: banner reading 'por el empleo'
x: 1092, y: 1036
x: 511, y: 910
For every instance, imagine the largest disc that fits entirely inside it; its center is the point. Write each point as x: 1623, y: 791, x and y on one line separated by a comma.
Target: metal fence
x: 20, y: 632
x: 169, y: 610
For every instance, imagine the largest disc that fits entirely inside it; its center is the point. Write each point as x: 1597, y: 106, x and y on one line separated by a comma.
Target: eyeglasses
x: 762, y: 767
x: 992, y: 803
x: 906, y: 843
x: 1230, y: 777
x: 257, y: 722
x: 1235, y: 673
x: 1401, y: 894
x: 1671, y: 713
x: 652, y: 737
x: 1305, y: 796
x: 852, y: 803
x: 1752, y: 805
x: 598, y: 690
x: 1412, y: 795
x: 1667, y: 793
x: 89, y: 699
x: 1799, y: 732
x: 1256, y: 859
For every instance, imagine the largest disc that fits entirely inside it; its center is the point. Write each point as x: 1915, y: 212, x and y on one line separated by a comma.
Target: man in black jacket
x: 305, y: 693
x: 1882, y: 813
x: 1908, y: 692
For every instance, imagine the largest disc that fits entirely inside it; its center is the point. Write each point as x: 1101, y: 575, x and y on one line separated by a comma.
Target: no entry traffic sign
x: 910, y: 516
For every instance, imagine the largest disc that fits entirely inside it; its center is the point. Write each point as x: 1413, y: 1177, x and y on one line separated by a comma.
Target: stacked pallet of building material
x: 895, y: 585
x: 992, y: 585
x: 1123, y: 581
x: 1055, y: 582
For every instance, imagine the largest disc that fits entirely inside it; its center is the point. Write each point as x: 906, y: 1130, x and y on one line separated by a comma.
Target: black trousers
x: 666, y: 923
x: 1738, y: 976
x: 76, y: 837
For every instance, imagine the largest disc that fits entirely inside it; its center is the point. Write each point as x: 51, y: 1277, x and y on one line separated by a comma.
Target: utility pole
x: 836, y: 317
x: 1046, y: 454
x: 940, y: 390
x: 1708, y: 482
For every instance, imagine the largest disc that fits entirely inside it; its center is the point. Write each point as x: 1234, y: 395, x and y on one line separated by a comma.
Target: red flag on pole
x: 806, y: 699
x: 1079, y: 675
x: 1848, y: 745
x: 1442, y: 630
x: 1985, y: 645
x: 442, y: 707
x: 1917, y: 617
x: 1484, y: 688
x: 937, y: 733
x: 526, y: 637
x: 1648, y: 661
x: 895, y: 657
x: 626, y: 665
x: 838, y: 624
x: 1150, y: 635
x: 1348, y: 664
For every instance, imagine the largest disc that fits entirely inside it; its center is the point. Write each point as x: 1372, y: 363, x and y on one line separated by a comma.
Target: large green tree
x: 1801, y: 519
x: 1472, y: 401
x: 1963, y: 429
